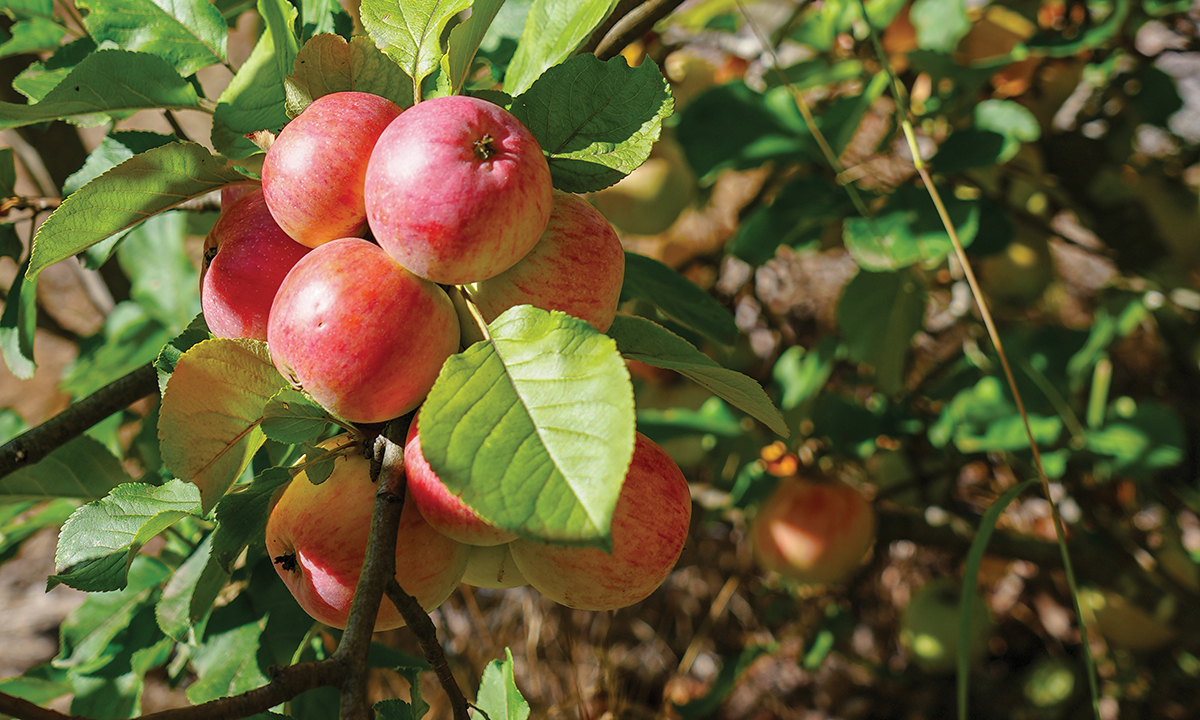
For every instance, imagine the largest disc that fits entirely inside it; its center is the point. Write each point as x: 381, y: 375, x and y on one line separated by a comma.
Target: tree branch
x: 32, y: 445
x: 633, y: 25
x: 418, y: 621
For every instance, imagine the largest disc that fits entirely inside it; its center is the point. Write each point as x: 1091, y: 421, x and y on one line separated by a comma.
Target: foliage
x: 813, y: 274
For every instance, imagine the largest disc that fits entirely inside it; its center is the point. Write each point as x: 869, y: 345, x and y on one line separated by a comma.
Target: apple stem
x: 484, y: 149
x: 471, y: 323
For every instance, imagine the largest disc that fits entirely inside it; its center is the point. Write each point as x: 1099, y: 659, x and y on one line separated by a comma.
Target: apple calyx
x: 484, y: 149
x: 287, y: 561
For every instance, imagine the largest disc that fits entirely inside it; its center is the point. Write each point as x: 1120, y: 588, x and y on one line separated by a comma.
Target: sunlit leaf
x: 106, y: 82
x: 100, y: 540
x: 465, y: 39
x: 498, y: 693
x: 35, y: 35
x: 553, y: 30
x: 328, y: 64
x: 81, y: 468
x: 677, y: 297
x: 211, y: 411
x: 410, y: 32
x: 534, y: 428
x: 227, y: 664
x: 189, y: 34
x: 18, y: 324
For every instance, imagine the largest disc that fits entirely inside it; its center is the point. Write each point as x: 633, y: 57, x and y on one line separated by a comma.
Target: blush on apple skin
x: 577, y: 267
x: 813, y: 532
x: 314, y: 173
x: 457, y: 190
x: 649, y: 528
x: 444, y: 510
x: 317, y: 536
x: 362, y: 335
x: 246, y: 257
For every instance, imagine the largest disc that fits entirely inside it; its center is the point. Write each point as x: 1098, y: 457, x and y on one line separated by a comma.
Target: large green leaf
x: 328, y: 64
x: 553, y: 30
x: 596, y: 121
x: 878, y: 315
x: 534, y: 428
x: 211, y: 412
x: 410, y: 32
x: 146, y: 184
x: 677, y: 297
x: 227, y: 664
x: 82, y: 468
x: 465, y: 39
x: 39, y: 78
x: 255, y: 99
x: 188, y: 596
x: 164, y: 280
x: 100, y: 540
x: 640, y: 339
x: 105, y: 83
x: 189, y: 34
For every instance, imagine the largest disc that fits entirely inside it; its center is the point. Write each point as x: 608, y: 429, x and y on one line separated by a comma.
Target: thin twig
x: 634, y: 25
x: 34, y: 444
x: 418, y: 621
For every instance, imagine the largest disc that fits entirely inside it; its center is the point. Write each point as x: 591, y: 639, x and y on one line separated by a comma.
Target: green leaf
x: 1012, y: 120
x: 106, y: 83
x: 732, y: 125
x: 32, y: 36
x: 113, y: 150
x: 82, y: 468
x: 803, y: 373
x: 534, y: 428
x: 291, y: 417
x: 498, y: 693
x: 211, y: 411
x: 328, y: 64
x: 909, y: 230
x: 940, y: 24
x: 196, y: 333
x: 394, y: 709
x: 553, y: 30
x: 797, y: 214
x: 722, y: 687
x: 640, y: 339
x: 227, y: 664
x: 255, y: 99
x: 465, y: 39
x: 8, y: 172
x: 878, y: 315
x: 188, y: 596
x: 86, y: 636
x: 39, y: 685
x: 596, y: 121
x: 164, y: 279
x: 100, y: 540
x: 713, y: 418
x: 241, y: 516
x: 189, y: 34
x: 1008, y: 433
x: 18, y: 323
x: 29, y: 521
x: 38, y: 79
x: 146, y: 184
x: 969, y: 148
x: 677, y: 297
x: 410, y: 32
x: 1056, y: 44
x: 130, y: 339
x: 324, y: 16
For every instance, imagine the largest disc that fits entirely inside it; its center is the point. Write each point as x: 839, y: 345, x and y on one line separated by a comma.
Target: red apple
x: 246, y: 257
x: 813, y: 532
x: 457, y: 190
x: 577, y: 267
x: 317, y: 536
x: 444, y: 510
x: 313, y: 175
x: 492, y: 566
x: 362, y: 335
x: 649, y: 527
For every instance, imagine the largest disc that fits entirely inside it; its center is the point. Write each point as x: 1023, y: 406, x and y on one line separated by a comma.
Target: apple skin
x: 314, y: 173
x: 492, y: 566
x: 442, y: 509
x: 577, y: 267
x: 246, y: 257
x: 929, y: 627
x: 457, y: 190
x: 649, y: 528
x: 813, y: 532
x: 362, y: 335
x: 317, y: 536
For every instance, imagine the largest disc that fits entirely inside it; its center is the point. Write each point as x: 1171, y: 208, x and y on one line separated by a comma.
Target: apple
x: 649, y: 527
x: 929, y: 627
x: 648, y: 200
x: 359, y: 333
x: 246, y: 257
x: 317, y: 537
x: 444, y: 510
x: 314, y: 173
x: 457, y: 190
x: 577, y: 267
x: 492, y: 566
x: 813, y: 532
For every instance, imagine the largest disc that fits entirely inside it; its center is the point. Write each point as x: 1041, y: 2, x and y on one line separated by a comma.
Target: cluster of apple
x: 367, y: 219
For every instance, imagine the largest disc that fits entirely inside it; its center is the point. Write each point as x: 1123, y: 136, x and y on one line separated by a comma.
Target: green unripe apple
x: 929, y: 627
